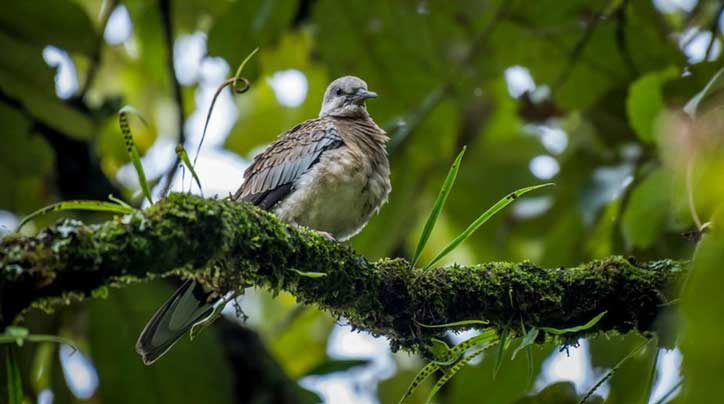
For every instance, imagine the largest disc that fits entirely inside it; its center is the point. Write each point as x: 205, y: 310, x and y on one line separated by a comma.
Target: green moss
x: 230, y: 246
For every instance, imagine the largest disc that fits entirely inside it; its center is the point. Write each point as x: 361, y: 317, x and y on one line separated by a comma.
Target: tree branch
x: 230, y: 246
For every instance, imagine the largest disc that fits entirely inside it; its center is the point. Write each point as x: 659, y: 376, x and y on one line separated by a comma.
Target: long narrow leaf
x: 131, y: 147
x: 507, y: 200
x: 97, y: 206
x: 613, y: 370
x: 578, y: 328
x: 504, y: 342
x: 420, y: 377
x: 454, y: 324
x: 447, y: 186
x: 527, y: 340
x: 14, y: 381
x: 452, y: 370
x: 181, y: 152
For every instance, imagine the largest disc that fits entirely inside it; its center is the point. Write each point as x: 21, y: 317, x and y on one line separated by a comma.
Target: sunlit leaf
x: 312, y: 275
x: 527, y: 340
x: 447, y: 186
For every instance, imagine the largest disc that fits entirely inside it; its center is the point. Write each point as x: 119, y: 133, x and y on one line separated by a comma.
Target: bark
x: 230, y: 246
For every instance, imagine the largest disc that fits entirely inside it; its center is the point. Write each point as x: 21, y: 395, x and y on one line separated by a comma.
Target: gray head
x: 346, y: 97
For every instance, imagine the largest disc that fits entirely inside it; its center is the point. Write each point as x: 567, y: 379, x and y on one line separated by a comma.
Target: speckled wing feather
x: 270, y: 178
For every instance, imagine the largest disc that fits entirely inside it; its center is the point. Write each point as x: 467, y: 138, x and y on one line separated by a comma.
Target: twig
x: 577, y: 51
x: 714, y: 30
x: 167, y: 25
x: 621, y: 42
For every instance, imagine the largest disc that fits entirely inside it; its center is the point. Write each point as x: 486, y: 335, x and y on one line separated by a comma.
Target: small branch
x: 167, y: 24
x: 714, y: 31
x: 229, y: 246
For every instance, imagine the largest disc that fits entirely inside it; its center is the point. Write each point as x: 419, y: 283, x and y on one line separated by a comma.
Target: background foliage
x: 588, y: 94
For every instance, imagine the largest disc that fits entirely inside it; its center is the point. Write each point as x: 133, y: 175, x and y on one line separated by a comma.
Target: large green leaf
x: 50, y: 22
x: 190, y: 372
x: 647, y: 210
x: 645, y: 102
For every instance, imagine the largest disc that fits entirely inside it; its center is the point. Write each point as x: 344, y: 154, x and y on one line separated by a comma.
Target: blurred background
x: 587, y: 94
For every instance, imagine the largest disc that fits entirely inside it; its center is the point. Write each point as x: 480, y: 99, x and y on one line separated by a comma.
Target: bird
x: 330, y: 174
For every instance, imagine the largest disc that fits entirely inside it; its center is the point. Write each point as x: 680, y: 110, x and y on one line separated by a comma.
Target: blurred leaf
x: 575, y: 329
x: 716, y: 83
x: 556, y: 393
x: 336, y: 365
x: 265, y: 21
x: 64, y: 24
x: 190, y: 372
x: 647, y: 210
x: 703, y: 308
x: 527, y: 340
x: 645, y: 101
x: 14, y: 381
x: 41, y: 370
x: 438, y: 206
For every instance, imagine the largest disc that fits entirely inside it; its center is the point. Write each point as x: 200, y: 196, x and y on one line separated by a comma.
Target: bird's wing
x: 271, y: 176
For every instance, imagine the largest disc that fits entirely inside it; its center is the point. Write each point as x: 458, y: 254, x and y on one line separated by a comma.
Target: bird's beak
x: 365, y: 94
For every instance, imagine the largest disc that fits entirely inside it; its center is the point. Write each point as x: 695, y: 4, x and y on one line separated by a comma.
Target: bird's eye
x: 339, y: 92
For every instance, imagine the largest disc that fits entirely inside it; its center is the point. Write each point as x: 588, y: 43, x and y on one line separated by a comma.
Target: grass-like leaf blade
x: 181, y: 153
x: 447, y: 186
x: 452, y: 370
x: 454, y: 324
x: 313, y: 275
x: 527, y: 340
x: 131, y: 147
x: 502, y: 346
x: 578, y: 328
x: 14, y: 381
x: 507, y: 200
x: 97, y: 206
x: 420, y: 377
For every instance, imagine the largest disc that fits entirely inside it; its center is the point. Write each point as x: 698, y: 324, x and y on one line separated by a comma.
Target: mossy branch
x: 230, y: 246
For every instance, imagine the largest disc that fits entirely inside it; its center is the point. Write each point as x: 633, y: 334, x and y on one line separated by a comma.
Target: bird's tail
x: 186, y: 307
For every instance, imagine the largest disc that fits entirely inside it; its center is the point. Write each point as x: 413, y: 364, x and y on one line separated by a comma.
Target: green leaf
x: 191, y: 372
x: 647, y: 210
x: 184, y: 157
x: 613, y: 370
x: 645, y: 101
x: 716, y: 83
x: 452, y: 370
x: 455, y: 324
x: 447, y: 186
x: 423, y: 374
x: 527, y: 340
x: 312, y: 275
x: 579, y: 328
x: 64, y: 24
x: 14, y: 381
x: 131, y: 147
x: 97, y: 206
x: 507, y: 200
x: 336, y: 365
x: 504, y: 342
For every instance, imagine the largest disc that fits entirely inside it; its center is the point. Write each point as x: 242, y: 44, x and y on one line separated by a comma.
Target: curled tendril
x: 236, y: 83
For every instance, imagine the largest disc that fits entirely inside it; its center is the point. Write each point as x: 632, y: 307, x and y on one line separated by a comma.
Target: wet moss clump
x: 230, y: 246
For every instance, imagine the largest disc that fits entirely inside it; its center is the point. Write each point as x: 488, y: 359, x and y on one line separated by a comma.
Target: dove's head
x: 345, y: 97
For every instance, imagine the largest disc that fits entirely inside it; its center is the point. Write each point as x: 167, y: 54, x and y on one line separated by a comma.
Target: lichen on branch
x: 230, y: 246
